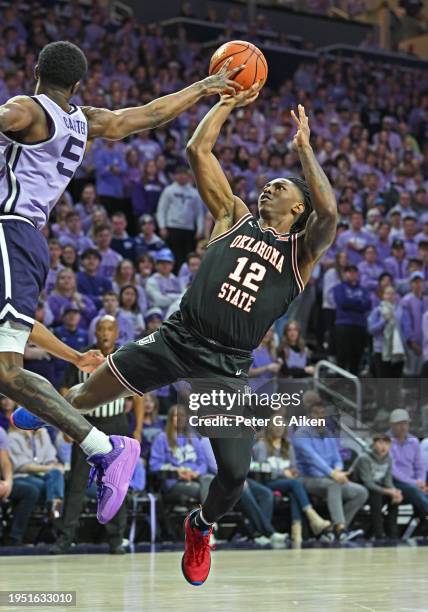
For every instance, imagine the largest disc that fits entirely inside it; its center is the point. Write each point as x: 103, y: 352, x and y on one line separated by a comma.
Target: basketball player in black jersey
x: 249, y: 275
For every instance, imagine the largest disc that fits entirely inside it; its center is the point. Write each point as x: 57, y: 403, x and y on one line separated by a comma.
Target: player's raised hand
x: 303, y: 133
x: 222, y: 82
x: 90, y: 361
x: 243, y: 98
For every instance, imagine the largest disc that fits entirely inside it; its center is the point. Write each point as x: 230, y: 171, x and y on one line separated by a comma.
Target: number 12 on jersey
x: 250, y: 280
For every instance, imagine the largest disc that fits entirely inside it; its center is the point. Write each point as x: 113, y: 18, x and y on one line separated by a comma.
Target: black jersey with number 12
x: 247, y: 279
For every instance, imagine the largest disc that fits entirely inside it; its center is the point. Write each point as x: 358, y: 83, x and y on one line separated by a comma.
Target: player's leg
x: 233, y: 457
x: 100, y: 388
x: 40, y: 397
x: 108, y: 455
x: 26, y: 248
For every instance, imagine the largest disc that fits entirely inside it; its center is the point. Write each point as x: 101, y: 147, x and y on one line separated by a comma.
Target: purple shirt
x: 363, y: 239
x: 397, y: 269
x: 126, y: 328
x: 413, y: 311
x: 58, y: 303
x: 108, y: 265
x: 51, y: 277
x: 4, y: 440
x: 407, y: 463
x: 383, y: 249
x: 80, y: 242
x: 261, y: 357
x: 369, y: 274
x: 187, y: 453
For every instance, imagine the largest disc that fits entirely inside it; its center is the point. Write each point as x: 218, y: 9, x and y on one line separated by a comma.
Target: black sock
x: 197, y: 521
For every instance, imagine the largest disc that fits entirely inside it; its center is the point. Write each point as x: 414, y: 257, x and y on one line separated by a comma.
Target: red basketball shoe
x: 196, y: 561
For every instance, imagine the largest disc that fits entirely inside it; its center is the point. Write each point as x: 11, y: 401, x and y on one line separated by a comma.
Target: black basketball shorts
x: 173, y: 353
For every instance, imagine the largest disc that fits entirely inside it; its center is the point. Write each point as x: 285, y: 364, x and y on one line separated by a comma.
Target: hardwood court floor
x: 319, y: 580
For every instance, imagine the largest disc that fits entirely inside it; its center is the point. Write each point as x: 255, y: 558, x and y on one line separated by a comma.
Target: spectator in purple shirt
x: 145, y: 267
x: 163, y: 287
x: 109, y: 258
x: 65, y: 295
x: 370, y: 269
x: 408, y: 468
x: 410, y: 229
x: 414, y: 304
x: 383, y: 244
x: 178, y: 455
x: 355, y: 240
x: 266, y: 364
x: 423, y: 256
x: 73, y: 233
x: 124, y: 276
x: 55, y: 252
x: 70, y: 257
x: 397, y: 263
x: 86, y: 205
x: 122, y: 242
x: 147, y: 147
x: 352, y: 304
x: 110, y: 167
x: 147, y: 240
x: 189, y: 269
x: 89, y: 280
x: 132, y: 179
x: 385, y: 326
x: 110, y: 307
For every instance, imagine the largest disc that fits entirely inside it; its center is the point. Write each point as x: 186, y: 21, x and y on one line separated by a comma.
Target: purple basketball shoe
x: 113, y: 472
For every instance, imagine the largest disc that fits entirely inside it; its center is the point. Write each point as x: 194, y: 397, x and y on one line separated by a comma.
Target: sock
x: 96, y: 442
x: 198, y: 521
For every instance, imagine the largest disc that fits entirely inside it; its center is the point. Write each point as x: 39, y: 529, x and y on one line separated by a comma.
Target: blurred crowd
x: 127, y: 238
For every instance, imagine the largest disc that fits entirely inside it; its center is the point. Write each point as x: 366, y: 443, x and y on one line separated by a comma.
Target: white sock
x: 96, y: 442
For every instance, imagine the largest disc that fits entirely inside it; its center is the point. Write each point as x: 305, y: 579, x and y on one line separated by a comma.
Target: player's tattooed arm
x: 45, y: 339
x: 211, y: 181
x: 118, y: 124
x: 321, y: 225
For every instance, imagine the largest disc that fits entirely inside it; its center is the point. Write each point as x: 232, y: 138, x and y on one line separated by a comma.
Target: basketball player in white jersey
x: 43, y: 139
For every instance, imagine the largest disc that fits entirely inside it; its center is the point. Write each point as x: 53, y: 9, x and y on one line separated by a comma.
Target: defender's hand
x: 301, y: 138
x: 222, y: 82
x: 243, y: 98
x: 89, y: 361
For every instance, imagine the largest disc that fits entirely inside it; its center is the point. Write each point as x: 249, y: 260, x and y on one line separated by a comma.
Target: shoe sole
x: 12, y: 422
x: 198, y: 583
x: 130, y: 467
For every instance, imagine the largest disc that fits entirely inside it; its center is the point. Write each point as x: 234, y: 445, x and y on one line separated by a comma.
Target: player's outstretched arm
x: 321, y: 225
x: 45, y: 339
x: 211, y: 181
x: 18, y: 114
x: 115, y: 125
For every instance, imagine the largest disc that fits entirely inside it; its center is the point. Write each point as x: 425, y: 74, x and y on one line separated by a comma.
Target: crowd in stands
x: 128, y: 237
x: 305, y: 464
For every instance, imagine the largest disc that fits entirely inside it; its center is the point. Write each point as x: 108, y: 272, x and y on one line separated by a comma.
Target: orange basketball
x: 243, y: 52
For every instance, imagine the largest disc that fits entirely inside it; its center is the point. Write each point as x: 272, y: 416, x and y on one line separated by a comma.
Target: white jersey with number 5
x: 37, y: 174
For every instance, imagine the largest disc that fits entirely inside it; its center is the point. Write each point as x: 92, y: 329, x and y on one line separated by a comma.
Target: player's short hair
x: 300, y: 223
x: 62, y: 63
